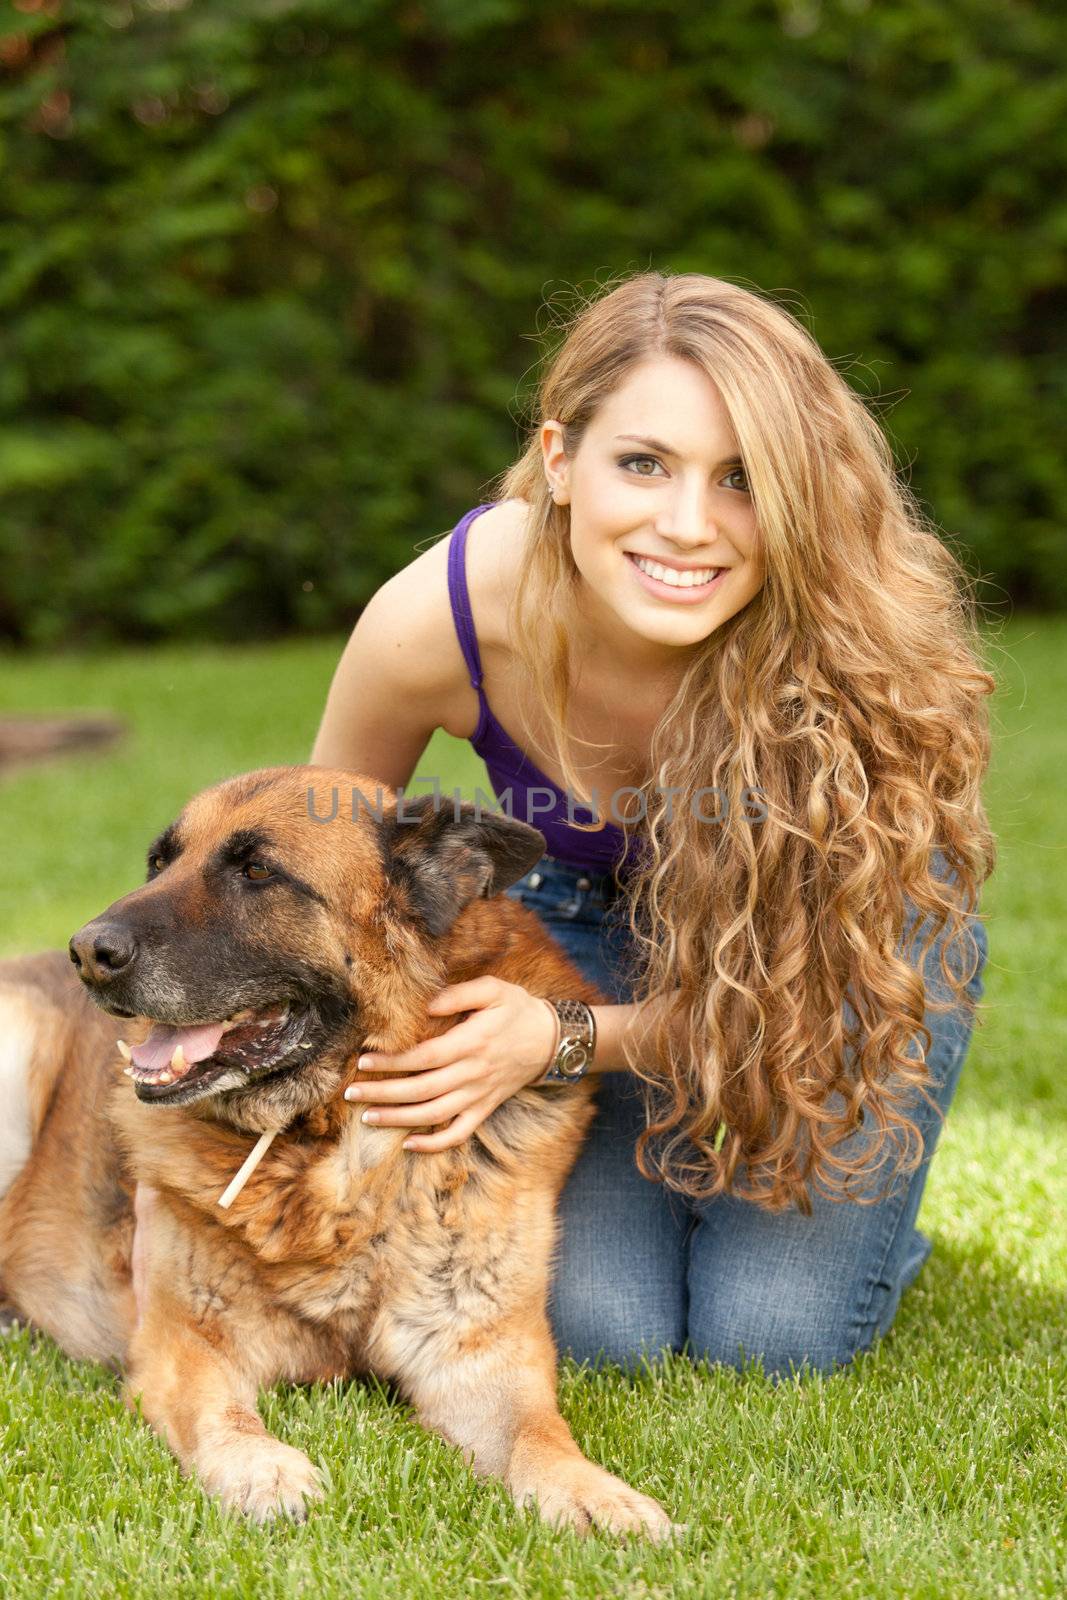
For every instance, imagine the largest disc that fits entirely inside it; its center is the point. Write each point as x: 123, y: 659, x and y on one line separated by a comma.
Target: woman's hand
x: 504, y: 1044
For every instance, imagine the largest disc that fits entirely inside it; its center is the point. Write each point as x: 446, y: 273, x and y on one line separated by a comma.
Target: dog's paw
x: 584, y: 1496
x: 267, y: 1480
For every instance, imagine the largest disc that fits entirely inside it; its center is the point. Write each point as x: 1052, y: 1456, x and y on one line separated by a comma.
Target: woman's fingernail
x: 407, y: 1145
x: 353, y: 1091
x: 371, y: 1116
x: 364, y: 1062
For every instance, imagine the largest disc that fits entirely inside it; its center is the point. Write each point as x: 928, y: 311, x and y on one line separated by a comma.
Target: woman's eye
x: 256, y: 872
x: 638, y: 463
x: 629, y: 460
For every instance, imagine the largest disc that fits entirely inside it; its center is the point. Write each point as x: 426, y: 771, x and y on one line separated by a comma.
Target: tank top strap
x: 460, y: 600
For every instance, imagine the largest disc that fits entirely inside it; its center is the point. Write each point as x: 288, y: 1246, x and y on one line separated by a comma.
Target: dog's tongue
x: 197, y: 1044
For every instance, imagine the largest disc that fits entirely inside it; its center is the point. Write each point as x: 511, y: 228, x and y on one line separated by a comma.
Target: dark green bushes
x: 269, y: 271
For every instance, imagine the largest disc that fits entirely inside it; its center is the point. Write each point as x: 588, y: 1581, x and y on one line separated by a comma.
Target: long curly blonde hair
x: 850, y: 694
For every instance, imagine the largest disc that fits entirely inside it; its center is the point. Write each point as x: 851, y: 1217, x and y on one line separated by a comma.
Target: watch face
x: 573, y: 1060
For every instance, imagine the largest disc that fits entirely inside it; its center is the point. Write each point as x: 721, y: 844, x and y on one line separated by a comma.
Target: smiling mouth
x: 250, y: 1044
x: 669, y: 583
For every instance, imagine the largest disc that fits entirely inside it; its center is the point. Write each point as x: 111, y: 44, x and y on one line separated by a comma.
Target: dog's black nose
x: 101, y: 950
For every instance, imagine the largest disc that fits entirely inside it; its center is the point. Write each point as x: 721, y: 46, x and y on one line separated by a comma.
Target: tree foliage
x: 270, y: 269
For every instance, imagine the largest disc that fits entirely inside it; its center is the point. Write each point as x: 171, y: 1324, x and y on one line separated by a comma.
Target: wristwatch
x: 575, y: 1041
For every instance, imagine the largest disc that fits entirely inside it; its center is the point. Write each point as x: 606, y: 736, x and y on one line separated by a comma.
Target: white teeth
x: 676, y: 580
x: 177, y: 1061
x: 124, y: 1050
x: 128, y: 1071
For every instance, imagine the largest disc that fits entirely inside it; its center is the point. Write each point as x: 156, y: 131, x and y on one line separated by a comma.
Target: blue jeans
x: 641, y: 1269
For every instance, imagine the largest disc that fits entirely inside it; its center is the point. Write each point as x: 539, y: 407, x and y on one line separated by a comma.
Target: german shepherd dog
x: 264, y: 952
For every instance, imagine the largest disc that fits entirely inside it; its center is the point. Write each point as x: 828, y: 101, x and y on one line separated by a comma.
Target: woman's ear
x: 555, y: 460
x: 443, y: 859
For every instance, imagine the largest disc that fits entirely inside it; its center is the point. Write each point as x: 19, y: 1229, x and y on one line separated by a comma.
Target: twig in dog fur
x: 246, y: 1169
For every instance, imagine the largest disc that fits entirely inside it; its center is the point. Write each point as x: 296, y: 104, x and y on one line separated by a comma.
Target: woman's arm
x: 401, y: 675
x: 614, y: 1023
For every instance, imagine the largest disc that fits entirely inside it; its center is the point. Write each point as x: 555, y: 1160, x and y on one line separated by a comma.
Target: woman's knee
x: 780, y: 1340
x: 780, y: 1343
x: 615, y: 1315
x: 618, y: 1327
x: 811, y: 1326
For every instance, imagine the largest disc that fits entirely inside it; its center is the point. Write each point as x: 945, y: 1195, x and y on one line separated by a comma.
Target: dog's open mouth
x: 250, y: 1042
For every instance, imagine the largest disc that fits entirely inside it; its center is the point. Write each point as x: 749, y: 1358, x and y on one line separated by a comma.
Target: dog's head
x: 290, y: 917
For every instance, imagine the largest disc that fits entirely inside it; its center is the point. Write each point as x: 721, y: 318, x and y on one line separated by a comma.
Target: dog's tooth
x: 128, y: 1071
x: 166, y: 1076
x: 124, y: 1050
x: 177, y: 1061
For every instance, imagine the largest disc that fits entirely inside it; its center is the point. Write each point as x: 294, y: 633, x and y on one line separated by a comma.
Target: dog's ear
x: 443, y: 857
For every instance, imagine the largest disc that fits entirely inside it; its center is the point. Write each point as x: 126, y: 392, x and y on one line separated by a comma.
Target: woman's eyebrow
x: 665, y: 449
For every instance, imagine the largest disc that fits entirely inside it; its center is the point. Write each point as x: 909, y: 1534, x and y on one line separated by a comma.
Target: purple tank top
x: 534, y: 798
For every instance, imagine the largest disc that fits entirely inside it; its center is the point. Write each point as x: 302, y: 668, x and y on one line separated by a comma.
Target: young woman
x: 703, y: 593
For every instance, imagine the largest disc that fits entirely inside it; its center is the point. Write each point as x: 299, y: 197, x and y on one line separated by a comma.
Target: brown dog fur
x: 344, y: 1254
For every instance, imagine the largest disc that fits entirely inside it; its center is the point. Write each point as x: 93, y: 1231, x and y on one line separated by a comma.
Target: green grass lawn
x: 934, y: 1466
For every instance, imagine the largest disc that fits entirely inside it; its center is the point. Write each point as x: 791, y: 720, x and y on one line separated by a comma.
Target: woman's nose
x: 687, y: 519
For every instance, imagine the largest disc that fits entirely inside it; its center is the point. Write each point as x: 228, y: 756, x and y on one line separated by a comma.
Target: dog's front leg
x: 493, y: 1393
x: 196, y: 1381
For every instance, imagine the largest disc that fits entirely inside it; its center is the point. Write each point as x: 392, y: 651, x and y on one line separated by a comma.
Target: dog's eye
x: 256, y: 872
x: 156, y: 864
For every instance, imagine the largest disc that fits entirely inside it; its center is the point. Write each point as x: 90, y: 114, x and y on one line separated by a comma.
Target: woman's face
x: 663, y: 529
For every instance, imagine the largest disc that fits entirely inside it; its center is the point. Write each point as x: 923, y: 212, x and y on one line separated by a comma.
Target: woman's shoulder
x: 411, y: 614
x: 496, y: 557
x: 493, y: 562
